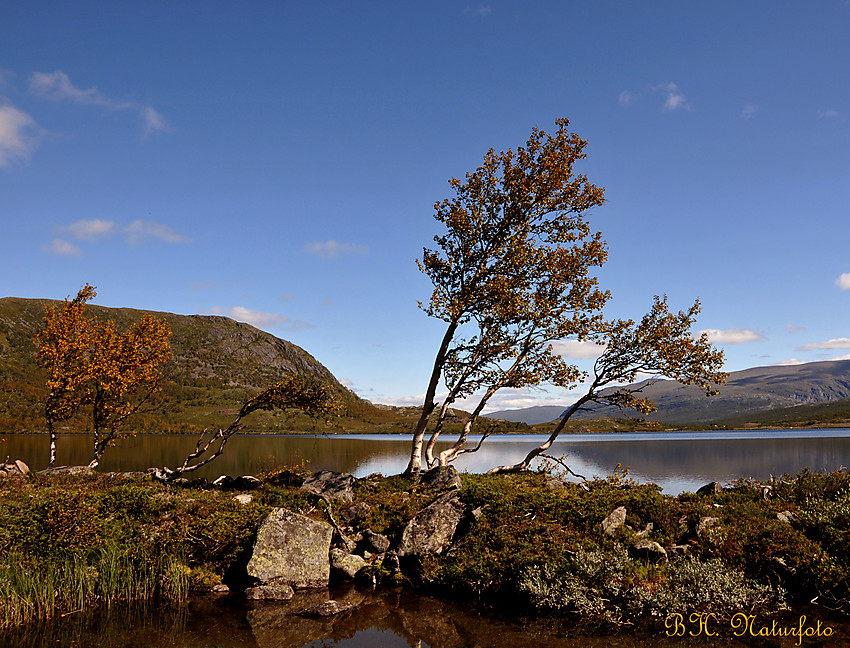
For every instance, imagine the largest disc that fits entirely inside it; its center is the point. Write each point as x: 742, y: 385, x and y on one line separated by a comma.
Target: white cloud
x: 19, y: 135
x: 843, y: 281
x: 794, y: 328
x: 141, y: 230
x: 625, y: 98
x: 576, y: 349
x: 481, y: 10
x: 748, y: 111
x: 789, y: 362
x: 331, y: 249
x: 675, y: 99
x: 834, y: 343
x: 61, y: 247
x: 828, y: 114
x: 153, y: 121
x: 732, y: 336
x: 57, y: 86
x: 842, y: 357
x: 89, y: 230
x: 260, y: 319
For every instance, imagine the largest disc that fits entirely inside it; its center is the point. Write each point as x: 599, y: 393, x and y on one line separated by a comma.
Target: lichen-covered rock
x: 706, y: 523
x: 346, y: 563
x: 789, y: 517
x: 67, y: 470
x: 243, y: 498
x: 292, y: 549
x: 330, y: 485
x: 649, y: 550
x: 441, y: 478
x: 614, y: 521
x: 433, y: 528
x: 347, y: 516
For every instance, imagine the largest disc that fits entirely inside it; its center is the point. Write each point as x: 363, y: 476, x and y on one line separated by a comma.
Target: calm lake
x: 677, y: 461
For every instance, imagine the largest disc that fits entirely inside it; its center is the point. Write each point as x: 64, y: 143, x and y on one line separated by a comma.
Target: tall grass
x: 31, y: 590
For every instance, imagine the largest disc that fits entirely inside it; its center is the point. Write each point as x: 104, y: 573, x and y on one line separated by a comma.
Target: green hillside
x: 217, y: 363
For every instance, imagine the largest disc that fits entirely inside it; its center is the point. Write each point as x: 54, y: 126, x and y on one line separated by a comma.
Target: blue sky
x: 279, y: 162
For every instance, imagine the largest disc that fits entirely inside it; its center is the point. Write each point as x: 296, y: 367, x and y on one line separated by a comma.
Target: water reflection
x: 677, y: 461
x: 380, y: 620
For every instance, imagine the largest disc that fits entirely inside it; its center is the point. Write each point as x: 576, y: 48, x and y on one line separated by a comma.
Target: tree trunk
x: 415, y: 465
x: 51, y: 430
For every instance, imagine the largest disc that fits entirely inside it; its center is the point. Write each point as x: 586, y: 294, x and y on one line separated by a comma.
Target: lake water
x: 677, y: 461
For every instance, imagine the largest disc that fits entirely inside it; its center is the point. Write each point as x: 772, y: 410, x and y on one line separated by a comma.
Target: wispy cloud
x: 732, y: 335
x: 625, y: 98
x: 834, y: 343
x: 843, y: 281
x: 19, y: 134
x: 140, y: 231
x: 789, y: 362
x: 331, y: 249
x: 61, y: 247
x: 57, y: 86
x: 675, y: 100
x: 794, y: 328
x: 480, y: 10
x: 262, y: 320
x: 828, y: 114
x: 748, y: 111
x: 89, y: 230
x: 578, y: 350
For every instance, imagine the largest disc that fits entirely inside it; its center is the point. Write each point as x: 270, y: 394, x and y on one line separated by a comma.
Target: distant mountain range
x: 746, y: 393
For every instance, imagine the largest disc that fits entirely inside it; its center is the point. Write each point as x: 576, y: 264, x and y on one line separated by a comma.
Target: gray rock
x: 292, y: 549
x: 374, y: 542
x: 649, y: 550
x: 243, y: 482
x: 441, y: 478
x: 347, y: 516
x: 789, y: 517
x: 331, y: 607
x: 679, y: 550
x: 22, y: 467
x: 434, y: 527
x: 710, y: 489
x: 67, y: 470
x: 614, y: 521
x: 244, y: 498
x: 330, y: 485
x: 346, y: 563
x: 705, y: 523
x: 646, y: 530
x: 274, y: 591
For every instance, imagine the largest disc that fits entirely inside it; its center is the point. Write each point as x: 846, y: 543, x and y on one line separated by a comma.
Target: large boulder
x: 614, y: 521
x: 292, y: 549
x: 434, y: 527
x: 330, y: 485
x: 441, y: 478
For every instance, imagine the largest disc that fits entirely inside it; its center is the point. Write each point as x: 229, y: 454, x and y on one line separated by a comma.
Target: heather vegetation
x: 71, y: 542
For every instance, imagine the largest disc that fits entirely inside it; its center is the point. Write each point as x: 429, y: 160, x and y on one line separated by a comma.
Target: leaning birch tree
x: 515, y: 236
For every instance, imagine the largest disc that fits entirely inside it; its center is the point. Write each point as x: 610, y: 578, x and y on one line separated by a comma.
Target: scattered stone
x: 555, y: 484
x: 649, y: 550
x: 22, y: 467
x: 373, y: 476
x: 705, y: 523
x: 434, y: 527
x: 710, y: 489
x: 3, y: 473
x: 614, y: 521
x: 374, y: 542
x: 221, y: 588
x: 330, y: 485
x: 346, y: 563
x: 789, y: 517
x: 292, y: 549
x: 274, y: 591
x: 67, y: 470
x: 244, y: 498
x: 347, y: 516
x: 441, y: 478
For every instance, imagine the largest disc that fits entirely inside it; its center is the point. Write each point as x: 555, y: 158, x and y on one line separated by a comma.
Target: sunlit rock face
x: 292, y: 549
